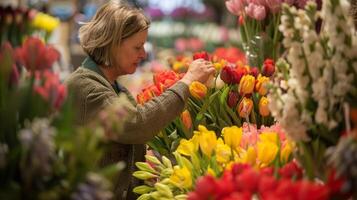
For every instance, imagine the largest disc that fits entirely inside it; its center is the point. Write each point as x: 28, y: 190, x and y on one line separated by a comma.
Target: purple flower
x: 37, y: 141
x: 154, y: 13
x: 255, y: 11
x: 95, y: 187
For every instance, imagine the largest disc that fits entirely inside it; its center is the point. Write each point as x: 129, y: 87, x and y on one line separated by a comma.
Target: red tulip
x: 254, y: 72
x: 233, y: 98
x: 206, y: 187
x: 35, y: 55
x: 266, y: 185
x: 291, y: 170
x: 248, y: 180
x: 204, y: 55
x: 239, y: 196
x: 268, y: 67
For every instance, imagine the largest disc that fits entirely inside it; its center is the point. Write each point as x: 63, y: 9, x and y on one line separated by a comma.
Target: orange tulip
x: 246, y: 84
x: 263, y: 107
x: 198, y: 90
x: 245, y: 107
x: 261, y: 85
x: 186, y: 119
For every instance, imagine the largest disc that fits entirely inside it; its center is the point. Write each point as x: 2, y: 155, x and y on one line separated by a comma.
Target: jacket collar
x: 90, y: 64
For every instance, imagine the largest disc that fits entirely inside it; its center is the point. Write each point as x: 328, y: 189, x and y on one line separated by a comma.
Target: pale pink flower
x: 255, y: 11
x: 250, y: 135
x: 236, y: 7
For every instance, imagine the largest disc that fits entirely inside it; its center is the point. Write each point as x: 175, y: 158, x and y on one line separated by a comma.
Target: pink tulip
x: 235, y: 6
x: 255, y: 11
x: 274, y: 5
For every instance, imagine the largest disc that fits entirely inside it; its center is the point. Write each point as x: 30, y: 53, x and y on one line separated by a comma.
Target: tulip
x: 235, y: 6
x: 226, y: 75
x: 286, y: 151
x: 207, y: 142
x: 250, y: 156
x: 35, y: 55
x: 269, y: 137
x: 246, y: 84
x: 186, y: 147
x: 261, y: 85
x: 233, y: 98
x: 232, y: 136
x: 255, y: 11
x: 205, y: 187
x: 268, y: 68
x: 143, y: 175
x: 45, y: 22
x: 267, y: 152
x: 198, y: 90
x: 263, y: 107
x: 254, y: 72
x: 143, y: 189
x: 186, y: 119
x: 245, y: 107
x: 201, y: 55
x: 223, y: 152
x: 181, y: 177
x: 165, y: 79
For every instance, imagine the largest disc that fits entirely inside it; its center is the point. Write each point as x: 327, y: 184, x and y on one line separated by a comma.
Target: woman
x: 114, y: 41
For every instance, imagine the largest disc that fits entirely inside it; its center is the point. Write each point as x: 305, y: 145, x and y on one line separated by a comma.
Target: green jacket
x: 92, y: 92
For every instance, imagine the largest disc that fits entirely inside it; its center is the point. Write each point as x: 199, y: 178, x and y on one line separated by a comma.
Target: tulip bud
x: 153, y: 160
x: 268, y: 67
x: 181, y: 197
x: 144, y: 197
x: 163, y: 189
x: 254, y: 72
x: 245, y: 107
x: 166, y: 172
x: 233, y: 98
x: 204, y: 55
x: 246, y: 84
x: 261, y: 85
x: 142, y: 189
x: 241, y: 20
x: 198, y: 90
x: 263, y: 107
x: 186, y: 119
x: 226, y: 75
x: 143, y: 175
x: 143, y: 166
x: 166, y: 162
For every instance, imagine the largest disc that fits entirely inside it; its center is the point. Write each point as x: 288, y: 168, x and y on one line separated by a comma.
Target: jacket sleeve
x: 146, y: 120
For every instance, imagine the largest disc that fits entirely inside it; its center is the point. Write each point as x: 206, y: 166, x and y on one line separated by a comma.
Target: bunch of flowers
x: 317, y: 78
x: 244, y: 182
x: 42, y: 153
x: 259, y: 21
x: 205, y: 154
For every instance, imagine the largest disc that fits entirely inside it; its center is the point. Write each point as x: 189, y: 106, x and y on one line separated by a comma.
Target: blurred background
x: 179, y: 27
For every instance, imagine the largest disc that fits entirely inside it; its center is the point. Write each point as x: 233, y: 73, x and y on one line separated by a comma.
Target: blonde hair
x: 113, y: 22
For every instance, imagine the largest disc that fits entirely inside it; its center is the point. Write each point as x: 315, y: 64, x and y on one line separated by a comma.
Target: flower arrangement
x: 316, y: 80
x: 206, y: 154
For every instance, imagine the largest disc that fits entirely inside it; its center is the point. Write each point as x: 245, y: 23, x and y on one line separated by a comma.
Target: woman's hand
x: 199, y: 70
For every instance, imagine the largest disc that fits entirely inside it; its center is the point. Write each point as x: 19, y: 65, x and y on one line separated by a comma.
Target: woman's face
x: 130, y: 53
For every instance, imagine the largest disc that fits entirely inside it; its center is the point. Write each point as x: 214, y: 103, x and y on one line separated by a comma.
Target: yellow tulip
x: 263, y: 107
x: 246, y: 84
x: 232, y: 136
x: 45, y: 22
x: 223, y: 152
x: 186, y: 119
x: 267, y: 152
x: 181, y: 177
x: 208, y: 141
x: 261, y: 85
x: 286, y: 151
x: 186, y: 147
x: 245, y: 107
x: 198, y: 90
x: 210, y: 171
x: 250, y: 156
x: 196, y: 141
x: 269, y: 137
